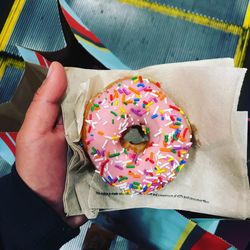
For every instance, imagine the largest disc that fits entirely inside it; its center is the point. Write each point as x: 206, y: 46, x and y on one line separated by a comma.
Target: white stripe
x: 10, y: 138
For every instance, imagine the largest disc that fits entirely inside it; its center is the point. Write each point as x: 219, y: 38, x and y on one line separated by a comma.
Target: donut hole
x: 135, y: 138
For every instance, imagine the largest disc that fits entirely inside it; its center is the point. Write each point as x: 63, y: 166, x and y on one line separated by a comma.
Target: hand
x: 41, y: 148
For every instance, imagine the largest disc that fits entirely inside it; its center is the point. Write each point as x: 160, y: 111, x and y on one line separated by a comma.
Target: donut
x: 136, y: 106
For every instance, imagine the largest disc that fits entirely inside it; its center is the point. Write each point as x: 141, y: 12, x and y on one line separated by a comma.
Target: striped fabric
x: 8, y: 146
x: 159, y: 229
x: 77, y: 242
x: 5, y: 167
x: 33, y: 57
x: 33, y: 33
x: 195, y: 238
x: 7, y: 151
x: 5, y: 35
x: 84, y: 36
x: 237, y: 23
x: 89, y: 41
x: 154, y: 32
x: 11, y: 76
x: 10, y: 23
x: 218, y: 9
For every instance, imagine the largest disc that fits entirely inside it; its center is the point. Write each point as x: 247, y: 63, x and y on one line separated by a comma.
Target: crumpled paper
x: 214, y: 181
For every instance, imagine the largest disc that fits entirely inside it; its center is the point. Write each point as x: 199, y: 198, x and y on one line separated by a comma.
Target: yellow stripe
x: 10, y: 23
x: 243, y: 32
x: 244, y: 50
x: 5, y: 62
x: 188, y: 229
x: 246, y: 22
x: 89, y: 43
x: 238, y: 52
x: 243, y: 42
x: 241, y: 49
x: 186, y: 15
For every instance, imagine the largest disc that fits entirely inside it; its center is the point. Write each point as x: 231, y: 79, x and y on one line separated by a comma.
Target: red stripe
x: 13, y: 135
x: 41, y: 59
x: 209, y: 241
x: 8, y: 142
x: 79, y: 28
x: 47, y: 61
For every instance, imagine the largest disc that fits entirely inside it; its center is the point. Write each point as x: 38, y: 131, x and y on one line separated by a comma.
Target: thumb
x: 42, y: 114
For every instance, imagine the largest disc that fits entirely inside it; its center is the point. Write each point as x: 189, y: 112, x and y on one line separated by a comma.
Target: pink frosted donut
x: 136, y: 168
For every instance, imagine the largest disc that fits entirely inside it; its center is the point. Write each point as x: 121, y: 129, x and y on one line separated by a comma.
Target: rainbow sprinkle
x: 137, y: 101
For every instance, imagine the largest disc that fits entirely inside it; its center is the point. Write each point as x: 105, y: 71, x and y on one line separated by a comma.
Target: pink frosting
x: 137, y: 101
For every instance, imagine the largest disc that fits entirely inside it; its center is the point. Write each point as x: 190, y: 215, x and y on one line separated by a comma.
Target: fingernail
x: 50, y: 70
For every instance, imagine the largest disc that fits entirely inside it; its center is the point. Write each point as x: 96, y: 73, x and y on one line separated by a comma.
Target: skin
x: 41, y: 147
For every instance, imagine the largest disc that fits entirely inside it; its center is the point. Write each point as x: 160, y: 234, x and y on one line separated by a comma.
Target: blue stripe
x: 209, y: 225
x: 28, y: 55
x: 71, y: 12
x: 105, y: 57
x: 6, y: 153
